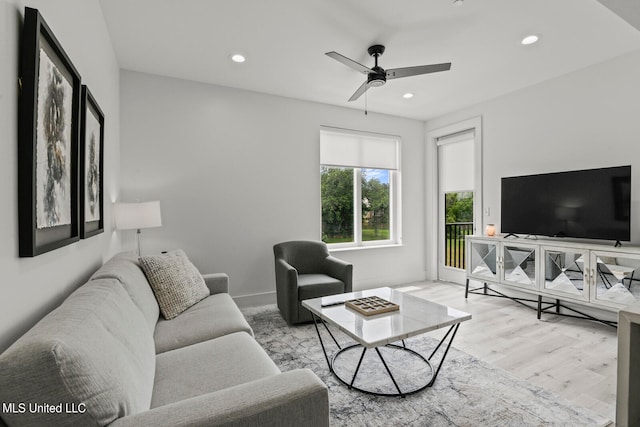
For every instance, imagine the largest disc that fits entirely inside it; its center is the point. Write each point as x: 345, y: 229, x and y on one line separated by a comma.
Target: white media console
x: 556, y: 271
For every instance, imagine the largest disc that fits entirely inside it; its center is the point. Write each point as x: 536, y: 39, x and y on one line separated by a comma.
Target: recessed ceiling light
x: 237, y: 58
x: 407, y: 95
x: 530, y: 39
x: 458, y: 2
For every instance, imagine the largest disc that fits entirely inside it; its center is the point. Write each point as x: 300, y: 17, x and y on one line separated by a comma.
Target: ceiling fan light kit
x: 378, y: 76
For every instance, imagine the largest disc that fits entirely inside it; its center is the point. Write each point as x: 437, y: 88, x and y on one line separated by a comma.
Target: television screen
x: 591, y: 204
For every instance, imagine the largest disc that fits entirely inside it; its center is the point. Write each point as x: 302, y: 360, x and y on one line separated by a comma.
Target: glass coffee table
x: 386, y: 331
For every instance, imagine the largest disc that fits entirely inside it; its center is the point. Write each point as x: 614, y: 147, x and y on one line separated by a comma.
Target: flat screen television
x: 590, y: 204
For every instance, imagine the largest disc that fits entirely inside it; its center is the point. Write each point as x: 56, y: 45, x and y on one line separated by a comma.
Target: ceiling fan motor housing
x: 377, y: 78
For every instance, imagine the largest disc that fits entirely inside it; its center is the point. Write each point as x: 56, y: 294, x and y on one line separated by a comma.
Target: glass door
x: 458, y: 223
x: 455, y: 204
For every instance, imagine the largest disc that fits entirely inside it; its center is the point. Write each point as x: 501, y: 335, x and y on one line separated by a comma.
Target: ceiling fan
x: 378, y: 76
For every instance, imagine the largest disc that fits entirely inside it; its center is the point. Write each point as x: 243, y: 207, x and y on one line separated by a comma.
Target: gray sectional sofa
x: 105, y: 357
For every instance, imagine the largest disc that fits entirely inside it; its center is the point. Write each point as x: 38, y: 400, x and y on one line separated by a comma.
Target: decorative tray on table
x: 371, y: 305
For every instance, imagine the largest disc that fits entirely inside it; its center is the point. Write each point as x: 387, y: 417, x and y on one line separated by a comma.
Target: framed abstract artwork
x: 48, y: 134
x: 91, y: 165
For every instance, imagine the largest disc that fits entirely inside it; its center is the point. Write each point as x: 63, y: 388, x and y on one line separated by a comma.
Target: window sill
x: 360, y: 248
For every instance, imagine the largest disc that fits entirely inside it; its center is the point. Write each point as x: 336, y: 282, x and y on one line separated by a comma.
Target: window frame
x: 395, y: 202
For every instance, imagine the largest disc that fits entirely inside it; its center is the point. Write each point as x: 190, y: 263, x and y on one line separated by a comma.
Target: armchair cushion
x: 176, y: 282
x: 318, y: 285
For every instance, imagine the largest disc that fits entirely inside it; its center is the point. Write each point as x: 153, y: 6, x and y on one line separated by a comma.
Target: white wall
x: 238, y: 171
x: 586, y: 119
x: 31, y: 287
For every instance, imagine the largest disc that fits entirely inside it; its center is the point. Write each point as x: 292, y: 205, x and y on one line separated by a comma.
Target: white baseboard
x: 395, y: 280
x: 255, y: 300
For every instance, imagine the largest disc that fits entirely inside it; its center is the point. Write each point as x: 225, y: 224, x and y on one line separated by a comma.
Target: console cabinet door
x: 483, y: 260
x: 615, y: 278
x: 565, y: 272
x: 519, y: 264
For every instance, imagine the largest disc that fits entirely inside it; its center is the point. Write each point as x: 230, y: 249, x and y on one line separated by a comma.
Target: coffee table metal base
x: 400, y: 393
x: 450, y: 335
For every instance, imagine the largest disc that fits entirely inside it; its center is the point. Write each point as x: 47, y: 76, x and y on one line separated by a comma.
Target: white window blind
x: 455, y: 162
x: 358, y: 149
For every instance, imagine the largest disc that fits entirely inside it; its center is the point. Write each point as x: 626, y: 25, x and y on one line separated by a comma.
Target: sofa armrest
x: 294, y: 398
x: 218, y: 283
x: 340, y: 270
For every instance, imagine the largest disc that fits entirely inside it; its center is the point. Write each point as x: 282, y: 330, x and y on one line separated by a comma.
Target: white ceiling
x: 285, y: 41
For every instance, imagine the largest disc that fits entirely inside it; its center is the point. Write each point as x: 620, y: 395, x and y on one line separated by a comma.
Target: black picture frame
x: 48, y: 135
x: 91, y: 166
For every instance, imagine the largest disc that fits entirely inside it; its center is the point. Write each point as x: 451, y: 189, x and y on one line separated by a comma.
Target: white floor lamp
x: 135, y: 216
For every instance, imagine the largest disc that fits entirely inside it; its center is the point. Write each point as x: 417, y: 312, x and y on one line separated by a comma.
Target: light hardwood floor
x: 576, y: 359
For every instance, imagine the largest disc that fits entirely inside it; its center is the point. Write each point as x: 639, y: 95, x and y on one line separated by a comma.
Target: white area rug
x: 467, y: 392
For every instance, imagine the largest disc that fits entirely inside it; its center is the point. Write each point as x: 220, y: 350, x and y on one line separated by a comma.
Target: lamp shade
x: 129, y: 216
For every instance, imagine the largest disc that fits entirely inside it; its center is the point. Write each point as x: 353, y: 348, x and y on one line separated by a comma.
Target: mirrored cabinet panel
x: 564, y: 272
x: 616, y: 277
x: 483, y: 260
x: 519, y: 264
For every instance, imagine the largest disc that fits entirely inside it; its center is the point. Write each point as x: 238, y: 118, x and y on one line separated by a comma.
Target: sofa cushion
x: 125, y: 268
x: 318, y: 285
x: 210, y: 318
x: 95, y: 349
x: 176, y: 282
x: 208, y: 367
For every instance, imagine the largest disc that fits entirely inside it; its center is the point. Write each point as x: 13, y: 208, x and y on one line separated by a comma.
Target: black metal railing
x: 454, y: 250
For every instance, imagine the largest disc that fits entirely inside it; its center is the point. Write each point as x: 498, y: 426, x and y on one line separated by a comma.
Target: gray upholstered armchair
x: 304, y: 269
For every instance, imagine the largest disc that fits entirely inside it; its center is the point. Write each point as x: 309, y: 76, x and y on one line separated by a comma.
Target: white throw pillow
x: 176, y: 282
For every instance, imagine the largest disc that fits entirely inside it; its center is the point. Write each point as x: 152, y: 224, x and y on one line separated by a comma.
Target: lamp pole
x: 138, y: 242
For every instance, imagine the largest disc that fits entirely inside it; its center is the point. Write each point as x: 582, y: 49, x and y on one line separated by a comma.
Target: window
x: 359, y: 188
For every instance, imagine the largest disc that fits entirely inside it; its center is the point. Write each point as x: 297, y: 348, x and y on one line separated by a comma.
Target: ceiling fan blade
x: 396, y: 73
x: 349, y: 62
x: 358, y: 93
